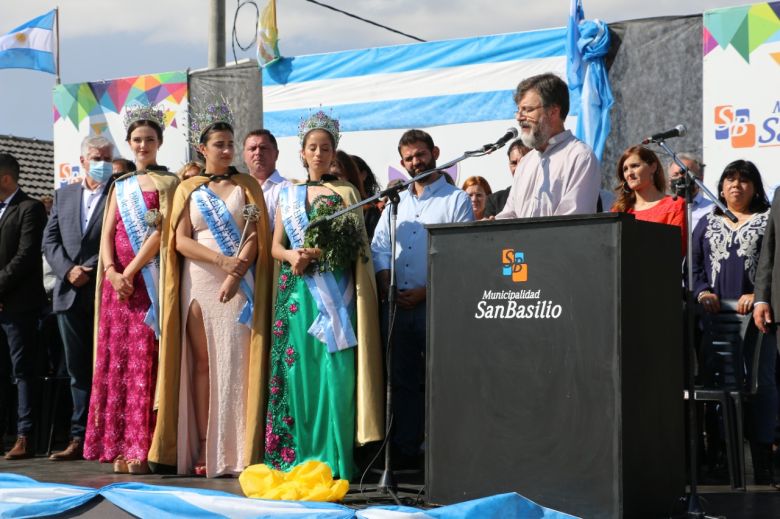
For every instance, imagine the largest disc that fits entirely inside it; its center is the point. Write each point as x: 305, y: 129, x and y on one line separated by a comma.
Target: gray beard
x: 536, y: 139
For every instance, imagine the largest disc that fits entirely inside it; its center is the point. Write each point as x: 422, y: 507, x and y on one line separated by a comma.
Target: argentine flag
x: 31, y: 45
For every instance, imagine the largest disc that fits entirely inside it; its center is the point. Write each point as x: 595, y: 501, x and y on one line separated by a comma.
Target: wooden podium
x: 555, y: 364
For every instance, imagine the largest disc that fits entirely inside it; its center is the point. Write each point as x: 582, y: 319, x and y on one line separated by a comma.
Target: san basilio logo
x: 734, y: 124
x: 514, y: 265
x: 515, y: 304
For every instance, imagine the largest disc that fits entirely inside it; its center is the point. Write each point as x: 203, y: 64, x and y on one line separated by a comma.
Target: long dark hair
x: 746, y: 170
x: 350, y: 170
x: 370, y: 185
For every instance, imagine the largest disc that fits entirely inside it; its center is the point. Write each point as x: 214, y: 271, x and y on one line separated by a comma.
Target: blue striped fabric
x: 419, y: 108
x: 44, y: 21
x: 404, y: 113
x: 142, y: 500
x: 416, y: 56
x: 27, y: 58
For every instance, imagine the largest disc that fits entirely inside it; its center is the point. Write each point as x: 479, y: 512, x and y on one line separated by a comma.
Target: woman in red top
x: 641, y: 191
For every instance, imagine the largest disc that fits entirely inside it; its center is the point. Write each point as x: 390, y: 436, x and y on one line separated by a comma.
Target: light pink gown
x: 228, y: 350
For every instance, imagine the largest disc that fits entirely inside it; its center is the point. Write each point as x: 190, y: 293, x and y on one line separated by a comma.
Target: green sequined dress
x: 311, y: 398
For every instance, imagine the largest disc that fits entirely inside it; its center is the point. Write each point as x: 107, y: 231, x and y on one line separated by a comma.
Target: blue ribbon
x: 228, y: 236
x: 132, y: 208
x: 334, y: 299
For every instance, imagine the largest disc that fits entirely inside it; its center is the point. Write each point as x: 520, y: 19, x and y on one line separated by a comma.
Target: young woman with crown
x: 121, y: 416
x: 325, y: 387
x: 215, y: 315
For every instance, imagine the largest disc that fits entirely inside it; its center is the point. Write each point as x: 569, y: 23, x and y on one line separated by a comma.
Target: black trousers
x: 17, y: 337
x: 76, y: 329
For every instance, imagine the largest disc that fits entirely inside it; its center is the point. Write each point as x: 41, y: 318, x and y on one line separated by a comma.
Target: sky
x: 106, y: 39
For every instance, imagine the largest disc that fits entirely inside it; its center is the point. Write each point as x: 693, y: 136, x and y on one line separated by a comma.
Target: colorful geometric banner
x: 741, y: 90
x: 76, y: 101
x: 96, y: 108
x: 745, y: 28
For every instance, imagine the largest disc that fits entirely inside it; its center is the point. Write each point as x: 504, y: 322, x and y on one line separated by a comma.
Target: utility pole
x: 216, y: 33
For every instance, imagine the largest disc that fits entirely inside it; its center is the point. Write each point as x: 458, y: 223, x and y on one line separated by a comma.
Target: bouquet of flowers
x: 340, y: 239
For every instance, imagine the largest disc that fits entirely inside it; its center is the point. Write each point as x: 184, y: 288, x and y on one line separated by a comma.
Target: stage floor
x: 720, y: 501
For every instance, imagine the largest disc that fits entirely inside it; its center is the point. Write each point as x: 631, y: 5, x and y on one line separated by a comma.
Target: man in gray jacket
x: 71, y: 244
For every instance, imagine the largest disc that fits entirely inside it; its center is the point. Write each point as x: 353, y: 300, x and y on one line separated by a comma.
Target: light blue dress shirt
x: 440, y: 203
x: 701, y: 207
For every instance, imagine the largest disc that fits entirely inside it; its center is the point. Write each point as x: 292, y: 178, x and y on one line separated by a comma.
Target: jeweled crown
x: 319, y: 121
x: 209, y: 115
x: 136, y: 113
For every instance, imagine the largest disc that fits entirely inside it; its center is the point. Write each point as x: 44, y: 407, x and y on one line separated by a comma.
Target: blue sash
x: 132, y: 208
x: 334, y: 299
x: 228, y: 236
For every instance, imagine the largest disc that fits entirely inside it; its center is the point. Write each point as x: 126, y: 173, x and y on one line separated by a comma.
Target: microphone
x: 510, y: 134
x: 677, y: 131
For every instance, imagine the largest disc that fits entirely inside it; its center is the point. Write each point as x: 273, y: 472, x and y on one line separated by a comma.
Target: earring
x: 626, y: 189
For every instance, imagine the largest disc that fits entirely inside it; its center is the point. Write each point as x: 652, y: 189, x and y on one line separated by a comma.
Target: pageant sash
x: 228, y: 236
x: 334, y: 299
x: 132, y: 208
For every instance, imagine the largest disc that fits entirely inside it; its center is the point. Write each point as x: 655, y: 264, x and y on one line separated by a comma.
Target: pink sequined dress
x: 121, y: 417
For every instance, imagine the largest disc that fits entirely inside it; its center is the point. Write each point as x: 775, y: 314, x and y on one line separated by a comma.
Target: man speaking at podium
x: 561, y: 174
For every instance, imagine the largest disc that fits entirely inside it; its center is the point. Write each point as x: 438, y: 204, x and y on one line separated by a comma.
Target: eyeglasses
x: 525, y: 110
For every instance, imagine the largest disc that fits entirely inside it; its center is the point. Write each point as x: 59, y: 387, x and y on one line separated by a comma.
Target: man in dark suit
x: 767, y: 282
x: 21, y: 291
x: 71, y: 243
x: 497, y: 200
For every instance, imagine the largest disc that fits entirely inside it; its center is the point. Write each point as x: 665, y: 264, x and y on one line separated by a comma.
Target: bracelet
x: 702, y: 294
x: 105, y: 269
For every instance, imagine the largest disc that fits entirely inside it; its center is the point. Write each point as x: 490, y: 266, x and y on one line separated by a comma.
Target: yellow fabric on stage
x: 163, y: 449
x: 309, y: 481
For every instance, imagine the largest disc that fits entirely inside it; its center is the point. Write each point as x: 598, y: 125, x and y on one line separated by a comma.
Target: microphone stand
x: 387, y: 485
x: 695, y: 510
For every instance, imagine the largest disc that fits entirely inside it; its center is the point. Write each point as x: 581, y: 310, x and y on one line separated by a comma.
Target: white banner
x: 741, y: 91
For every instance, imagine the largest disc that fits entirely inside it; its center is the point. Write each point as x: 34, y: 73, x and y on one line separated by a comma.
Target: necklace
x: 223, y: 176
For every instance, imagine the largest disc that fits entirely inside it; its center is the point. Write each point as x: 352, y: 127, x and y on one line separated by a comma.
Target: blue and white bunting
x: 31, y: 45
x: 21, y: 497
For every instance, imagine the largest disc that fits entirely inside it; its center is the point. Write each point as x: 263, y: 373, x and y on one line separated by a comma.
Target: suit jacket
x: 21, y: 265
x: 65, y: 246
x: 496, y: 201
x: 767, y: 282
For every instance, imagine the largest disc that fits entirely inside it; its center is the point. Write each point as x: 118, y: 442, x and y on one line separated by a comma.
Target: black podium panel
x: 555, y: 364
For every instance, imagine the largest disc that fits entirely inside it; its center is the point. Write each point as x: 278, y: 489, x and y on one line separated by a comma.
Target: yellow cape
x: 166, y: 185
x: 163, y: 449
x: 369, y: 416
